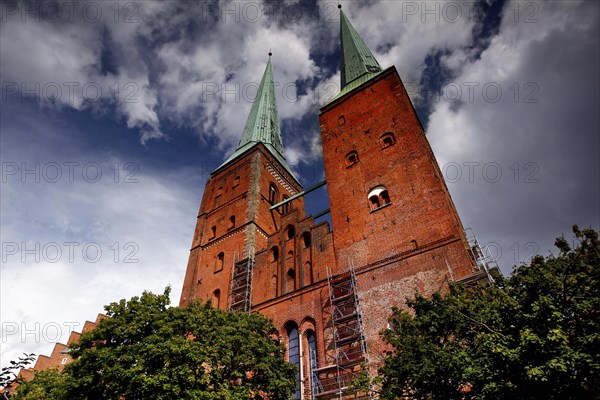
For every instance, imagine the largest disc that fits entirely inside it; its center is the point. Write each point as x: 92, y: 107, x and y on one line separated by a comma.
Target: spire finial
x: 339, y: 5
x: 270, y: 53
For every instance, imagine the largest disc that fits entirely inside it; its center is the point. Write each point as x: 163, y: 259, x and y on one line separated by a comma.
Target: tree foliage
x: 47, y: 385
x: 147, y: 350
x: 534, y: 335
x: 9, y: 375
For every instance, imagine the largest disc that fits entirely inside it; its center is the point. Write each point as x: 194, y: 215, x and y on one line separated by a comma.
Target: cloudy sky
x: 113, y: 114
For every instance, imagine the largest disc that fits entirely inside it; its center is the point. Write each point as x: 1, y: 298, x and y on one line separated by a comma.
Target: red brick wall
x: 248, y: 201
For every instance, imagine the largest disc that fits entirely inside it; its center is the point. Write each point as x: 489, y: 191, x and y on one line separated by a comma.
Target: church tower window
x: 272, y: 194
x: 351, y: 158
x: 220, y: 262
x: 294, y: 355
x: 378, y: 197
x: 387, y: 140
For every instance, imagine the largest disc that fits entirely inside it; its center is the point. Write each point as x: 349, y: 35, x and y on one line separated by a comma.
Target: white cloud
x: 540, y: 130
x: 55, y: 221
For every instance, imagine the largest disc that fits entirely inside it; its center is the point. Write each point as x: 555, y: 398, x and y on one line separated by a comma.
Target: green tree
x: 534, y: 335
x: 9, y: 375
x: 47, y: 385
x: 147, y: 350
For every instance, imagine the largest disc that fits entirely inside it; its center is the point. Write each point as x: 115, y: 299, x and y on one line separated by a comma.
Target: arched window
x: 236, y: 181
x: 387, y: 139
x: 274, y: 254
x: 294, y: 355
x: 286, y: 207
x: 291, y: 232
x: 232, y: 222
x: 213, y: 232
x: 307, y: 274
x: 220, y: 261
x: 351, y: 158
x: 272, y: 193
x: 290, y: 280
x: 306, y: 240
x: 378, y: 197
x: 216, y: 299
x: 312, y: 359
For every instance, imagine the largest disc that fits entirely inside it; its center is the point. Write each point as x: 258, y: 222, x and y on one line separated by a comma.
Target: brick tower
x: 234, y: 220
x: 395, y: 228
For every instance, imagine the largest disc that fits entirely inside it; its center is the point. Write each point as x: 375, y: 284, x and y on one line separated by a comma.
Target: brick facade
x: 414, y: 243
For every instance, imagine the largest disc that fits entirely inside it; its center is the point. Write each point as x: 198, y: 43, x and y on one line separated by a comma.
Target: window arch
x: 351, y: 158
x: 213, y: 232
x: 273, y: 192
x: 387, y: 139
x: 294, y: 354
x: 216, y: 299
x: 220, y: 261
x: 274, y: 254
x: 290, y: 280
x: 312, y: 362
x: 290, y: 231
x: 236, y: 181
x: 378, y: 197
x: 232, y: 222
x: 307, y: 274
x: 306, y: 240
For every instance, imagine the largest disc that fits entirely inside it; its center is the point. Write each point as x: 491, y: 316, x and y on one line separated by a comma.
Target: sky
x: 113, y: 115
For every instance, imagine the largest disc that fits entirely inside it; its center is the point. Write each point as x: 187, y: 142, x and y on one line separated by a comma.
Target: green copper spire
x: 358, y: 64
x: 262, y: 125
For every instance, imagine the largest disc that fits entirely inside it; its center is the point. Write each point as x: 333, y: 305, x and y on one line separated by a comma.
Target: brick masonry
x: 416, y: 243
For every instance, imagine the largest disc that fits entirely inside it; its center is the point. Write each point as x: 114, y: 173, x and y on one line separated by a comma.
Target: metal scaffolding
x: 484, y: 259
x: 350, y: 357
x: 240, y: 296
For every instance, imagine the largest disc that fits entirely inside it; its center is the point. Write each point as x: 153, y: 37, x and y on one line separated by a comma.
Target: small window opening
x: 272, y: 194
x: 213, y: 232
x: 378, y: 197
x: 351, y: 158
x: 274, y: 254
x: 291, y: 232
x: 306, y: 239
x: 220, y: 261
x: 236, y: 181
x: 232, y: 222
x: 387, y: 139
x: 290, y: 284
x: 216, y: 299
x: 374, y: 202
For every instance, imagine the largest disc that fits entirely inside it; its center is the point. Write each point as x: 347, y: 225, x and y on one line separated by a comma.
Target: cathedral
x: 330, y: 289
